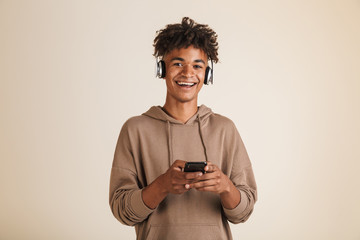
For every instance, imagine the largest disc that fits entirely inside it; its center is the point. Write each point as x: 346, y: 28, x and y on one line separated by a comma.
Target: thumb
x: 179, y: 164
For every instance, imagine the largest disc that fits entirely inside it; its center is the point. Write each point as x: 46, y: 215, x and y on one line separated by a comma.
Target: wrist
x: 154, y: 193
x: 230, y: 197
x: 225, y: 192
x: 160, y: 186
x: 228, y: 188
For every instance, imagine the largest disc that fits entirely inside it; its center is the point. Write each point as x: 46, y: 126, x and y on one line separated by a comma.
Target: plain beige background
x: 73, y: 71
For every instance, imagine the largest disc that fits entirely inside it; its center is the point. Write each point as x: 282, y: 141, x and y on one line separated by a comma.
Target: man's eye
x: 178, y: 64
x: 197, y: 66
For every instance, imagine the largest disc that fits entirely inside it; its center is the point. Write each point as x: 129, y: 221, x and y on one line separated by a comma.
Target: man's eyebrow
x: 177, y: 59
x: 199, y: 61
x: 181, y: 59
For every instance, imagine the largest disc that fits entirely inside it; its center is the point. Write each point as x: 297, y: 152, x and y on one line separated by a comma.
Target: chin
x: 186, y: 100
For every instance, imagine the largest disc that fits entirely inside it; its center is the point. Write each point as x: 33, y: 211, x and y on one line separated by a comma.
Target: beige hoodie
x: 148, y: 145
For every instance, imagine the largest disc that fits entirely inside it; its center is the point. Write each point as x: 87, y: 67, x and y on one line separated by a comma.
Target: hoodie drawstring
x: 169, y: 142
x: 201, y: 137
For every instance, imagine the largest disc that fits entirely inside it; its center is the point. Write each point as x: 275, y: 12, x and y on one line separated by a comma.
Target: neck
x: 181, y: 111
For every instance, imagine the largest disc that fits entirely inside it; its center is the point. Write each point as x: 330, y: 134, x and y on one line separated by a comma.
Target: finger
x: 206, y: 168
x: 176, y: 168
x: 179, y: 187
x: 208, y: 189
x: 180, y: 178
x: 210, y: 167
x: 202, y: 184
x: 207, y: 176
x: 193, y: 175
x: 179, y: 163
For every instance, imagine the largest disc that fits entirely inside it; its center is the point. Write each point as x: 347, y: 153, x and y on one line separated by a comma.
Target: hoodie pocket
x: 184, y: 231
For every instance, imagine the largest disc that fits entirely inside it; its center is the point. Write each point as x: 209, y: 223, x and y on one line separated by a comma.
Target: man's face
x: 185, y: 72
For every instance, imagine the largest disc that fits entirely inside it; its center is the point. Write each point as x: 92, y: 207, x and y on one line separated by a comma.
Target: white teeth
x: 185, y: 83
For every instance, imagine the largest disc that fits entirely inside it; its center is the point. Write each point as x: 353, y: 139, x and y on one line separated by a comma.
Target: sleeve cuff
x: 138, y: 205
x: 240, y: 208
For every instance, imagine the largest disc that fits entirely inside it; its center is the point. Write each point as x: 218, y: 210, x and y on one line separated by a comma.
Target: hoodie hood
x: 158, y: 113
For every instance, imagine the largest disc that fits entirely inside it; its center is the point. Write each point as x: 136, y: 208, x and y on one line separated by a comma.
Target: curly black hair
x: 184, y: 34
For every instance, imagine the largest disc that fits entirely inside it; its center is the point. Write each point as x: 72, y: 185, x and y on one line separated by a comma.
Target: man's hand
x: 174, y: 181
x: 217, y: 182
x: 213, y: 181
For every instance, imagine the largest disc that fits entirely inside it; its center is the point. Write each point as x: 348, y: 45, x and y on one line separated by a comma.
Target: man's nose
x: 188, y: 71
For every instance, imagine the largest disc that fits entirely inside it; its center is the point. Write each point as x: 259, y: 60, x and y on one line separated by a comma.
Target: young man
x: 148, y: 187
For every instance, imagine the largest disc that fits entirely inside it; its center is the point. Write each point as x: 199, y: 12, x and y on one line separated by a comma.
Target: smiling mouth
x: 185, y: 84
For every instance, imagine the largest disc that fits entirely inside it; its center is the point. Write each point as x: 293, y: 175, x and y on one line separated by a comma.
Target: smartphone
x: 195, y: 167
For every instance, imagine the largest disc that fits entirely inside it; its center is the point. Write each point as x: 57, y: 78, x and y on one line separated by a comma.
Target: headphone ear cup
x: 163, y: 72
x: 160, y: 69
x: 208, y: 76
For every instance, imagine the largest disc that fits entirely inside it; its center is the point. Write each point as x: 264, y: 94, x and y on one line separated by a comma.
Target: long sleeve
x: 125, y: 190
x: 243, y: 178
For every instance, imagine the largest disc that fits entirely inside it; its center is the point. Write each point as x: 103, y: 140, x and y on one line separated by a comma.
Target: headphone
x: 160, y: 71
